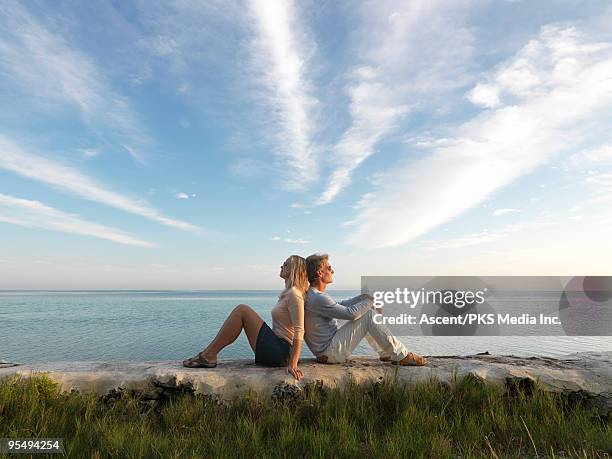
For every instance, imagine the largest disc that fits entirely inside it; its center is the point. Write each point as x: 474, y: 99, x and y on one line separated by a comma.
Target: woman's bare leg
x: 243, y: 317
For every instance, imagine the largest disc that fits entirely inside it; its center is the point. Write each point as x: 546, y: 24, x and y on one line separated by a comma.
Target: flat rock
x: 587, y: 374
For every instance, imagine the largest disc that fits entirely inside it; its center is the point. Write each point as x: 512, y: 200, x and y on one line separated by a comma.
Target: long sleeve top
x: 288, y: 315
x: 322, y: 312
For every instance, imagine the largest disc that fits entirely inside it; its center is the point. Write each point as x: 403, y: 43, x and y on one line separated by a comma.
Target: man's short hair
x: 313, y: 264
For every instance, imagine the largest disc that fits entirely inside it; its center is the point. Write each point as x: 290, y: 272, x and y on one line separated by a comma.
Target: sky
x: 195, y: 145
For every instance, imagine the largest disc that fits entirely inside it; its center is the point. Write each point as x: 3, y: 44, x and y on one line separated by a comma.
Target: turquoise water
x: 173, y: 325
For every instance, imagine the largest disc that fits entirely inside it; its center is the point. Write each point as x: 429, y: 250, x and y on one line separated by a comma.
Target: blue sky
x: 195, y: 145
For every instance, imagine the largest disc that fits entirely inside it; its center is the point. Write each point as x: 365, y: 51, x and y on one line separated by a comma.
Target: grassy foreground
x: 465, y: 419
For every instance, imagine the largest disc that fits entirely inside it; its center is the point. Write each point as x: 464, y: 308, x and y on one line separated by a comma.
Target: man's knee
x: 368, y: 317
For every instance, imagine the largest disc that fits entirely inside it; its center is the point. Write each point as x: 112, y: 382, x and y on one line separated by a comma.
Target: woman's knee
x: 242, y: 308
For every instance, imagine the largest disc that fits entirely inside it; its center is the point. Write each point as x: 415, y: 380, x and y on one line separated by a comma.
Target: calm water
x: 173, y: 325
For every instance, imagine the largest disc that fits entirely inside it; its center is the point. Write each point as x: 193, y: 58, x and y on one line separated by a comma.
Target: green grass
x: 387, y: 420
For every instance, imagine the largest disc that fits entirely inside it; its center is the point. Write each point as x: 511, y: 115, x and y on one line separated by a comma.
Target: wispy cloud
x: 552, y: 222
x: 47, y: 68
x: 185, y: 196
x: 71, y: 180
x: 595, y: 168
x: 555, y: 96
x: 410, y: 50
x: 468, y: 240
x: 297, y: 241
x: 289, y: 240
x: 593, y: 157
x: 487, y: 236
x: 34, y: 214
x: 89, y: 152
x: 280, y: 52
x: 499, y: 212
x: 135, y: 154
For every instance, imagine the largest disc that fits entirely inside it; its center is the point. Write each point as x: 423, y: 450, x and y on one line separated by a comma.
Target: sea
x: 51, y: 326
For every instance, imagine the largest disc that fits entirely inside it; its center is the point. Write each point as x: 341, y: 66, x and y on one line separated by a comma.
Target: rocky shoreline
x: 582, y: 376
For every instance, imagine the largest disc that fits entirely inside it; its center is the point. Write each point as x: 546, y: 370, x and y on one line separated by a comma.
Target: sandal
x: 199, y: 361
x: 412, y: 360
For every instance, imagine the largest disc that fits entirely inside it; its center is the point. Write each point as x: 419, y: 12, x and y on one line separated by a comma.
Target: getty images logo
x: 413, y: 298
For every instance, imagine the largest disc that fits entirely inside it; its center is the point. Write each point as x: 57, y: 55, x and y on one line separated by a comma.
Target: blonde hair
x: 297, y: 275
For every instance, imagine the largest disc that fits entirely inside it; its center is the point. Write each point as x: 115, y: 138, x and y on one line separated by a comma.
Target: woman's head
x: 293, y: 271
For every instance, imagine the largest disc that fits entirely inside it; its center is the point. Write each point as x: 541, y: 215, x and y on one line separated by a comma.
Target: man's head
x: 319, y: 270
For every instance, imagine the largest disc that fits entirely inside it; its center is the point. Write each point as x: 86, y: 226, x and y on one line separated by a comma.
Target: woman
x: 275, y: 347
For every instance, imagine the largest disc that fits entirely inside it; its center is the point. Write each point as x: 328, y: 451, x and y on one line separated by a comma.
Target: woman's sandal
x: 412, y: 360
x: 199, y: 361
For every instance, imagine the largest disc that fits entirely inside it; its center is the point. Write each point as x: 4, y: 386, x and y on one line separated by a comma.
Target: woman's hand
x: 295, y: 371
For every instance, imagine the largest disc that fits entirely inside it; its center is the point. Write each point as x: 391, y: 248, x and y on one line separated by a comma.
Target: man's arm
x: 347, y: 310
x: 356, y: 299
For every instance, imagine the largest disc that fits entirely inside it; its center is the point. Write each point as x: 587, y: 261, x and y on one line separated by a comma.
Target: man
x: 333, y: 344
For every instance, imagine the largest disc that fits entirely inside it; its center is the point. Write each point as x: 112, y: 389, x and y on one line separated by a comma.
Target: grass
x: 465, y: 419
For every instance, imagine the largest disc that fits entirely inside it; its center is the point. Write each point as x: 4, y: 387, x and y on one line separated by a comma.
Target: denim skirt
x: 271, y: 350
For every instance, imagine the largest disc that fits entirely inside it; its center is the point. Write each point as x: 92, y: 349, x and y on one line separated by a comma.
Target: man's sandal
x: 199, y: 361
x: 412, y: 360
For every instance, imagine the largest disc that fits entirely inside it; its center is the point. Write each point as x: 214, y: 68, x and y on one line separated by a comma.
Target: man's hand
x: 296, y: 372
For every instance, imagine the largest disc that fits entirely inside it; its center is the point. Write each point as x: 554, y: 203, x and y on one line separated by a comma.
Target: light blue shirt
x: 321, y: 313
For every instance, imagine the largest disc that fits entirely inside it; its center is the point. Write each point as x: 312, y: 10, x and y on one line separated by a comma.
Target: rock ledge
x: 586, y: 375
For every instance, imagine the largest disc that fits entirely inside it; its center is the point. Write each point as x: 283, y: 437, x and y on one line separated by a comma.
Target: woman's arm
x: 296, y: 313
x: 294, y: 358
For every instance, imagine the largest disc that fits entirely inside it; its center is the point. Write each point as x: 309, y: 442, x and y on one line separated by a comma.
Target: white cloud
x: 69, y: 179
x: 34, y: 214
x: 486, y: 95
x: 596, y: 163
x: 49, y: 70
x: 485, y: 236
x: 410, y: 51
x: 297, y: 241
x: 136, y: 155
x: 182, y: 195
x: 280, y: 52
x: 89, y: 152
x: 600, y: 155
x: 471, y: 239
x: 289, y: 240
x: 562, y: 101
x: 499, y: 212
